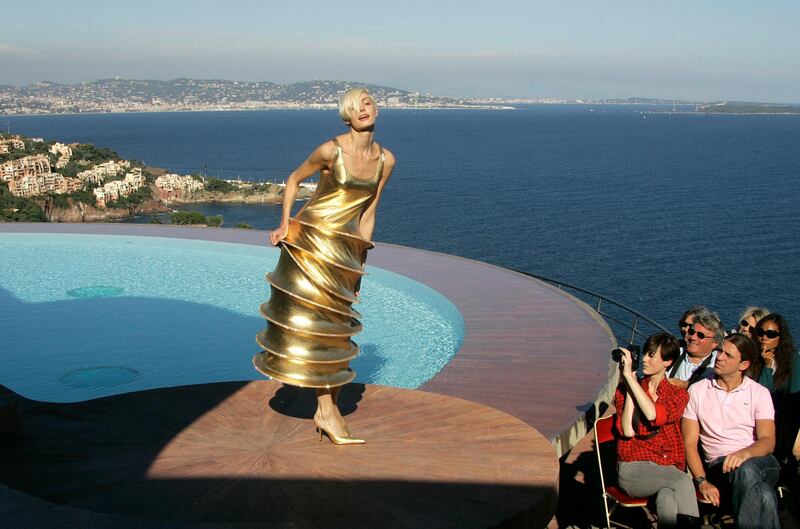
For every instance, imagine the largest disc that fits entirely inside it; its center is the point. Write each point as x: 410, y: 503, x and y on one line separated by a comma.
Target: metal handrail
x: 637, y: 316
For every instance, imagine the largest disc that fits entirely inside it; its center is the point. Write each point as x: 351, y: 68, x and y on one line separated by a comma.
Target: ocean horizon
x: 657, y: 210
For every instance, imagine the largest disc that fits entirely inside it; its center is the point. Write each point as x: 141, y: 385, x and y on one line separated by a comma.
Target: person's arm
x: 646, y: 406
x: 626, y: 419
x: 763, y: 446
x: 796, y: 448
x: 367, y: 223
x: 319, y: 159
x: 624, y: 407
x: 690, y: 431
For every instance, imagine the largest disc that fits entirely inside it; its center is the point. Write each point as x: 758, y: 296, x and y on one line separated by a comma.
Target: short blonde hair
x: 351, y: 102
x: 754, y: 312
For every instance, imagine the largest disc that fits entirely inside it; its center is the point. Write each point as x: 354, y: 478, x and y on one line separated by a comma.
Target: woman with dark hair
x: 650, y: 450
x: 778, y: 369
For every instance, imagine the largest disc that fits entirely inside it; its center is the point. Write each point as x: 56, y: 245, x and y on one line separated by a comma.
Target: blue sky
x: 701, y: 50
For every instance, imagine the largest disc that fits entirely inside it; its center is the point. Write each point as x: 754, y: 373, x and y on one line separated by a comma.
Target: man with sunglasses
x: 703, y: 337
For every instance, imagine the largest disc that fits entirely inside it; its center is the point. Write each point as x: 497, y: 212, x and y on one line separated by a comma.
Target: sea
x: 657, y: 208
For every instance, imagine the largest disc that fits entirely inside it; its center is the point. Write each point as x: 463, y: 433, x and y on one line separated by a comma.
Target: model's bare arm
x: 764, y: 445
x: 319, y: 159
x: 367, y: 223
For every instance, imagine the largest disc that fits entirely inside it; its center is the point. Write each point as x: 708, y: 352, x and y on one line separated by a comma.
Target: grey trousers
x: 673, y: 488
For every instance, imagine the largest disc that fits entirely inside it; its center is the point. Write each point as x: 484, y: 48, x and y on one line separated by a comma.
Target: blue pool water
x: 87, y: 316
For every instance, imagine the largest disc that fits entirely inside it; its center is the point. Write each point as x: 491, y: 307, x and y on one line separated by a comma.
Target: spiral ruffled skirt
x: 310, y: 321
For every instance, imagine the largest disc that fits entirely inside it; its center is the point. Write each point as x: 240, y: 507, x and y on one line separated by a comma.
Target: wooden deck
x: 530, y: 351
x: 246, y: 454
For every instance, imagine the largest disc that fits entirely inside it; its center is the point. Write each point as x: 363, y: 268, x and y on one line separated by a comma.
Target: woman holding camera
x: 650, y: 450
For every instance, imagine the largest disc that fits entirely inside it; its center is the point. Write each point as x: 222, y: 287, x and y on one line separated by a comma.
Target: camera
x: 636, y: 351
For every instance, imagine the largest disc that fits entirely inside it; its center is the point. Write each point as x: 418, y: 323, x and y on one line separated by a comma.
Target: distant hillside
x: 744, y: 107
x: 129, y: 95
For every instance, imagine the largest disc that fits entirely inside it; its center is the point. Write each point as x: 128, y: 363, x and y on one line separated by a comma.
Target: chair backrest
x: 603, y: 434
x: 604, y: 429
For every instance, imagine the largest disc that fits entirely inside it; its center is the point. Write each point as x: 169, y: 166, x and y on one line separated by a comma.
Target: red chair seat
x: 623, y: 499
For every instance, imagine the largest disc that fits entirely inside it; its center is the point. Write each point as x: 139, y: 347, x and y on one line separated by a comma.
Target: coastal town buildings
x: 13, y: 142
x: 64, y: 153
x: 174, y: 182
x: 120, y: 188
x: 34, y: 165
x: 101, y: 171
x: 33, y: 185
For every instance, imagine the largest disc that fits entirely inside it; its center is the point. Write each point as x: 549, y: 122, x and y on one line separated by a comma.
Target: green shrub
x: 187, y: 217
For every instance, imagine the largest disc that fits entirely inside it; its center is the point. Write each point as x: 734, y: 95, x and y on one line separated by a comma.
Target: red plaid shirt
x: 666, y: 446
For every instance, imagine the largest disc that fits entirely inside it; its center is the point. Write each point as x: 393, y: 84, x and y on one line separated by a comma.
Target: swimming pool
x: 86, y: 316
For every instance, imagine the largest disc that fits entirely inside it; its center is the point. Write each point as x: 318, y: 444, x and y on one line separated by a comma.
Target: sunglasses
x: 744, y: 325
x: 700, y: 334
x: 769, y: 334
x: 683, y: 324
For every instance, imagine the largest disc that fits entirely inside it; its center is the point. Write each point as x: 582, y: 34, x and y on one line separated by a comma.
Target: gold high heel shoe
x: 335, y: 439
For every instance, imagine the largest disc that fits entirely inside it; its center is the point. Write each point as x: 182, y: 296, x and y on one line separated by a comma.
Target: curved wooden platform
x: 245, y: 455
x: 530, y: 350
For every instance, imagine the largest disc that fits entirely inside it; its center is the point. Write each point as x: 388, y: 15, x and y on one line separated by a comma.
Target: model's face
x: 653, y: 364
x: 747, y: 325
x: 363, y: 117
x: 685, y: 324
x: 699, y: 341
x: 729, y: 360
x: 768, y: 335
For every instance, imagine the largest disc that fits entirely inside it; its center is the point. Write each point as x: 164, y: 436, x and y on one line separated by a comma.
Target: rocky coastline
x: 160, y: 203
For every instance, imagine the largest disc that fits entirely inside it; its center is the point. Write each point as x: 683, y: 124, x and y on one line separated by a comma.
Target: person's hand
x: 709, y: 492
x: 278, y: 234
x: 769, y: 357
x: 625, y: 363
x: 735, y: 460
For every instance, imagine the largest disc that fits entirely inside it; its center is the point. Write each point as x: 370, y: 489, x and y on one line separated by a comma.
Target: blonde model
x: 310, y: 321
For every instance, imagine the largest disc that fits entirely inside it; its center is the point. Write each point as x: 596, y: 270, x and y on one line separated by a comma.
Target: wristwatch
x: 699, y: 480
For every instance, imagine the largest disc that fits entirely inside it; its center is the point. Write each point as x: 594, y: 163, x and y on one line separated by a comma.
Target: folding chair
x: 604, y: 435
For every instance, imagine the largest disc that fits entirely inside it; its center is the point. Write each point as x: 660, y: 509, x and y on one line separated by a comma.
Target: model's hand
x: 709, y: 492
x: 735, y: 460
x: 278, y: 234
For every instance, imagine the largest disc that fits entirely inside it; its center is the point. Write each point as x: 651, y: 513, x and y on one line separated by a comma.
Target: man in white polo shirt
x: 733, y: 418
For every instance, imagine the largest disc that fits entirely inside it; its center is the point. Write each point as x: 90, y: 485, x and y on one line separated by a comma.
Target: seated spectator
x: 778, y: 369
x: 650, y: 449
x: 748, y: 320
x: 686, y: 321
x: 733, y: 419
x: 702, y: 339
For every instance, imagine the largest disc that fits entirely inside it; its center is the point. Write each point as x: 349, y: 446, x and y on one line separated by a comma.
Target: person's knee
x: 748, y: 474
x: 765, y: 494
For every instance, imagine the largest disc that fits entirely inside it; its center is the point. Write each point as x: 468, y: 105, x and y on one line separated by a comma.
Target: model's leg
x: 755, y: 505
x: 330, y: 419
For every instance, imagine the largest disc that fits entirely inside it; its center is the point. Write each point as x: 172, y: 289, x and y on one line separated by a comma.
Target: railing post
x: 635, y: 325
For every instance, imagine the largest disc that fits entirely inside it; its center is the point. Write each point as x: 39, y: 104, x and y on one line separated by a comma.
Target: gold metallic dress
x: 310, y: 321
